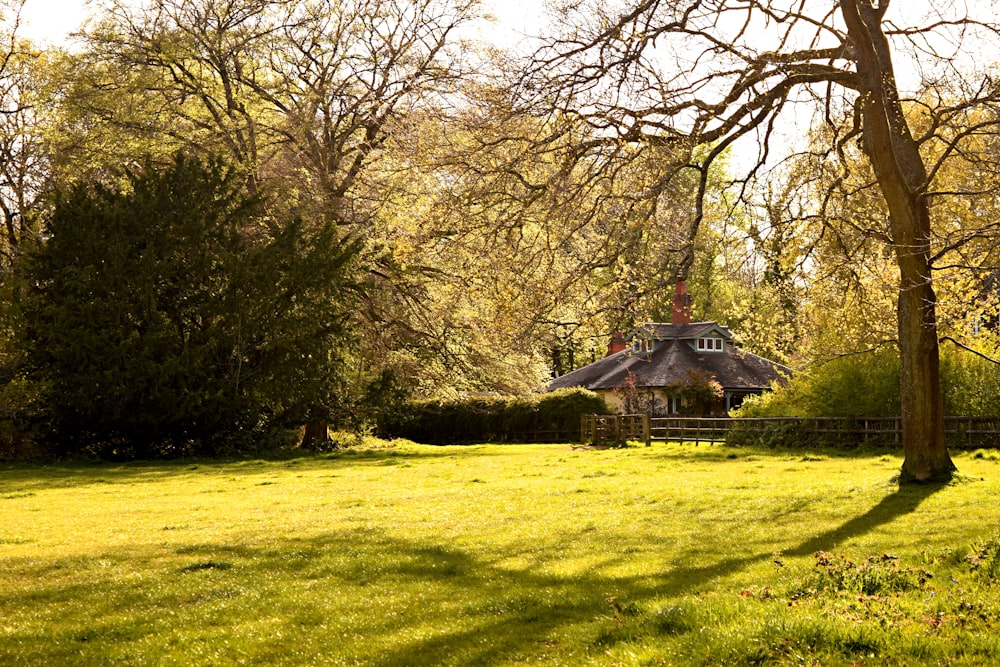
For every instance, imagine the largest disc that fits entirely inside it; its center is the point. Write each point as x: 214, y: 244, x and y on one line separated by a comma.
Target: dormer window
x: 641, y: 345
x: 710, y: 344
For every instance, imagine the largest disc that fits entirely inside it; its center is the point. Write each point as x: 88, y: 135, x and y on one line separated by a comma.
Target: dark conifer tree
x: 171, y: 317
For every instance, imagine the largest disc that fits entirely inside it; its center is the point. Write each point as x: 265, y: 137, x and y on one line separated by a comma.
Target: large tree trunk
x: 925, y: 453
x: 902, y: 178
x: 315, y: 435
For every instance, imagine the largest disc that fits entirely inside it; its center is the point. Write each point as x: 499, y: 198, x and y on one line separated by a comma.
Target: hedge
x: 546, y: 417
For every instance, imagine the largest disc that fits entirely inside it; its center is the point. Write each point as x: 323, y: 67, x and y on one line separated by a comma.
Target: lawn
x: 500, y: 555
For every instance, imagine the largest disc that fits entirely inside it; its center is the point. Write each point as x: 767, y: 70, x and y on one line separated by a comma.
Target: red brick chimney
x: 617, y: 343
x: 682, y: 304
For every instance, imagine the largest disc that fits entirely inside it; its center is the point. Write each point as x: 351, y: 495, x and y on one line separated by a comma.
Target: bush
x: 971, y: 384
x: 549, y: 417
x: 860, y: 385
x: 867, y: 385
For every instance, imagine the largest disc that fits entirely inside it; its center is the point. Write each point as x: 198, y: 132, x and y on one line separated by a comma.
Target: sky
x: 52, y: 20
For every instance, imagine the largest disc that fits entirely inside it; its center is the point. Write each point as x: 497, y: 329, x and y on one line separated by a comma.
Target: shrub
x: 548, y: 417
x: 868, y: 385
x: 852, y: 386
x: 769, y: 434
x: 971, y: 384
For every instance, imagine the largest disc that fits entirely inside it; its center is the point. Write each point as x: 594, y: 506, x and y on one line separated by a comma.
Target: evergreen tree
x: 167, y: 318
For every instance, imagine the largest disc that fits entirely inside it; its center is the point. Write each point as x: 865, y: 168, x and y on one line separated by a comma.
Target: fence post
x: 647, y: 428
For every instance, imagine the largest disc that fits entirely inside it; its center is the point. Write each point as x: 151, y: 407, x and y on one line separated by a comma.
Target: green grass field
x: 500, y: 555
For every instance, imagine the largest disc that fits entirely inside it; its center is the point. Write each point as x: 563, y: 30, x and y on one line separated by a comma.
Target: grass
x: 500, y: 555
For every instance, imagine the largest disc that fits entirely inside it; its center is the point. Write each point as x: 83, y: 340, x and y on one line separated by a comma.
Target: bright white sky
x: 52, y: 20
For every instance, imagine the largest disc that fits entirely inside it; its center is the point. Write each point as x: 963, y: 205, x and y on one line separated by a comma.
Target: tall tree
x: 163, y: 321
x: 24, y: 183
x: 307, y: 96
x: 902, y: 178
x: 305, y: 92
x: 23, y: 158
x: 366, y: 114
x: 573, y: 245
x: 713, y: 72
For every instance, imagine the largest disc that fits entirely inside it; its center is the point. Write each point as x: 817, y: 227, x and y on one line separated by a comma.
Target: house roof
x: 674, y: 360
x: 658, y: 331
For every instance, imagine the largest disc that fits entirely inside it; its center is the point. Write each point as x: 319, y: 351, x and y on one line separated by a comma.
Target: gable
x: 691, y: 331
x: 671, y: 362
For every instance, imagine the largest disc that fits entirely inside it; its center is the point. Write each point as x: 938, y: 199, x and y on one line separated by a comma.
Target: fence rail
x: 614, y: 429
x: 960, y: 432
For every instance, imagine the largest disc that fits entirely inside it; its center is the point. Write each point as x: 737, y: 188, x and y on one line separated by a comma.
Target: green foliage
x: 861, y: 385
x: 548, y: 417
x: 167, y: 319
x: 867, y: 385
x: 698, y: 387
x: 18, y: 402
x: 17, y: 396
x: 971, y: 384
x: 380, y: 396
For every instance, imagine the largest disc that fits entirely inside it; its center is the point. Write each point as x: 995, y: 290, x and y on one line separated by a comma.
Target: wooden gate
x: 614, y: 430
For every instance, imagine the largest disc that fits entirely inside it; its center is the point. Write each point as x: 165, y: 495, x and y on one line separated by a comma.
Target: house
x: 689, y: 368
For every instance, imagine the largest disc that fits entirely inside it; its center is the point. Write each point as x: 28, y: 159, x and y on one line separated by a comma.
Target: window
x: 710, y: 345
x: 640, y: 345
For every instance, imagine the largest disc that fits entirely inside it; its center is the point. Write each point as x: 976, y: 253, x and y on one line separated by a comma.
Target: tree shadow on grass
x: 71, y: 474
x: 518, y: 634
x: 521, y: 611
x: 903, y: 501
x: 431, y: 603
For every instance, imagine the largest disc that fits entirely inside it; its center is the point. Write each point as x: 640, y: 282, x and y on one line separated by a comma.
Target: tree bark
x: 314, y: 436
x: 901, y: 175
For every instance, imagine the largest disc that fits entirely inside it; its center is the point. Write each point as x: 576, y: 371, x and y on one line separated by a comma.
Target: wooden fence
x: 961, y: 432
x: 615, y: 429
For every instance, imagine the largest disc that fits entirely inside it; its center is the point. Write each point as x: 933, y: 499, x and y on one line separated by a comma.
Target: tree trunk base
x: 314, y: 436
x: 942, y: 476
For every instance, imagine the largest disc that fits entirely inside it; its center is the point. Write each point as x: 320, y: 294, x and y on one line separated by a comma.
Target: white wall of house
x: 616, y: 403
x: 672, y: 404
